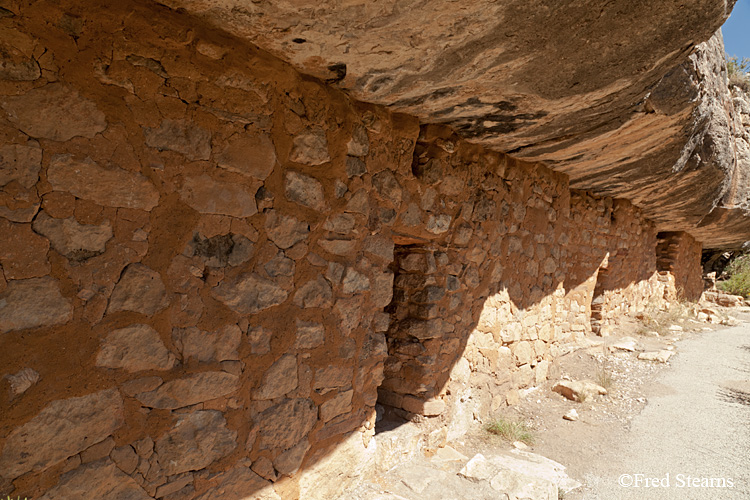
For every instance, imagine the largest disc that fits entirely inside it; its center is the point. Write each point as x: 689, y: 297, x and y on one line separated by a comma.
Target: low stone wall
x: 213, y: 268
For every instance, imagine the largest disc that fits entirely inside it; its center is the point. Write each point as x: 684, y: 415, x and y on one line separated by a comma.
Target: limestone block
x: 305, y: 190
x: 339, y: 404
x: 33, y: 303
x: 310, y: 147
x: 309, y: 335
x: 315, y: 293
x: 140, y: 289
x: 134, y: 348
x: 180, y: 136
x: 280, y: 379
x: 286, y: 424
x: 63, y: 428
x: 71, y: 239
x: 249, y: 294
x: 209, y: 196
x: 285, y: 230
x: 190, y: 390
x: 196, y: 440
x: 20, y: 163
x: 100, y: 479
x: 249, y: 154
x: 114, y: 187
x: 237, y: 482
x: 220, y: 345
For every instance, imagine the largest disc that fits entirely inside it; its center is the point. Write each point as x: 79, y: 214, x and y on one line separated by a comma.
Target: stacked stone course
x: 214, y: 268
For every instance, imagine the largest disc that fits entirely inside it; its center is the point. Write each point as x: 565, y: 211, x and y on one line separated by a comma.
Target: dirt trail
x: 692, y: 439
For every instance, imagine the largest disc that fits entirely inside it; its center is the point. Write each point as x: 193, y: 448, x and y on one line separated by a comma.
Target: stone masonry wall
x: 213, y: 267
x: 678, y: 254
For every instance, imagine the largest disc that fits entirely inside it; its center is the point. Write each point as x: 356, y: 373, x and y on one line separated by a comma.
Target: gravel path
x: 692, y: 441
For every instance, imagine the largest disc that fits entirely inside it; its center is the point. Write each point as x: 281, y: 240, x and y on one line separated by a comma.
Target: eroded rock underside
x: 214, y: 266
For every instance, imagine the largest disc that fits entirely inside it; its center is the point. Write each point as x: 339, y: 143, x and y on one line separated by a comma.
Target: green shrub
x: 738, y: 281
x: 737, y: 71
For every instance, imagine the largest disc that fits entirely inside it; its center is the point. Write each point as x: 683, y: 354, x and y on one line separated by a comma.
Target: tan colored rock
x: 339, y: 404
x: 66, y: 113
x: 209, y: 196
x: 579, y: 390
x: 249, y: 294
x: 305, y: 190
x: 286, y: 424
x: 114, y: 187
x: 196, y: 440
x: 249, y: 154
x: 100, y: 479
x: 429, y: 408
x: 33, y: 303
x: 133, y: 349
x: 309, y: 335
x: 220, y: 345
x: 285, y: 230
x: 125, y: 458
x: 183, y: 137
x: 661, y: 356
x: 21, y: 381
x: 20, y: 163
x: 62, y: 429
x: 315, y: 293
x: 310, y: 148
x: 98, y: 451
x: 280, y: 379
x: 290, y: 461
x: 332, y: 377
x: 190, y: 390
x: 237, y: 483
x: 71, y: 239
x: 140, y: 289
x: 139, y: 385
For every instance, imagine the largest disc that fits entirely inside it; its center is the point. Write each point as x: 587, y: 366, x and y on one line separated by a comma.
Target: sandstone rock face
x: 115, y: 187
x: 33, y: 303
x: 250, y: 294
x: 20, y: 163
x: 196, y: 440
x: 101, y: 479
x: 607, y: 95
x: 208, y: 196
x: 72, y: 239
x: 62, y: 429
x: 237, y: 483
x: 192, y: 141
x: 134, y: 349
x: 190, y: 390
x: 68, y: 113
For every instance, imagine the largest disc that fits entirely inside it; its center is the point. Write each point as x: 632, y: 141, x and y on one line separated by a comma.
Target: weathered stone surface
x: 125, y: 458
x: 114, y: 187
x: 186, y: 138
x: 20, y: 163
x: 21, y: 381
x: 290, y: 461
x: 285, y: 230
x: 66, y: 113
x: 249, y: 294
x: 135, y: 348
x: 661, y: 356
x: 100, y: 479
x: 190, y: 390
x: 196, y: 440
x: 23, y: 253
x: 140, y: 289
x: 339, y: 404
x: 221, y: 250
x: 197, y: 344
x: 33, y: 303
x: 316, y: 293
x: 359, y: 144
x: 72, y: 239
x: 249, y: 154
x: 355, y: 282
x: 310, y: 148
x: 578, y: 390
x: 209, y: 196
x: 238, y: 483
x: 16, y: 64
x: 139, y: 385
x: 280, y: 379
x: 259, y: 339
x: 305, y: 190
x: 62, y: 429
x: 287, y: 423
x: 309, y: 335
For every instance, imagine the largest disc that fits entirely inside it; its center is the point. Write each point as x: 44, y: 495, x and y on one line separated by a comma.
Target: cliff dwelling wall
x: 213, y: 268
